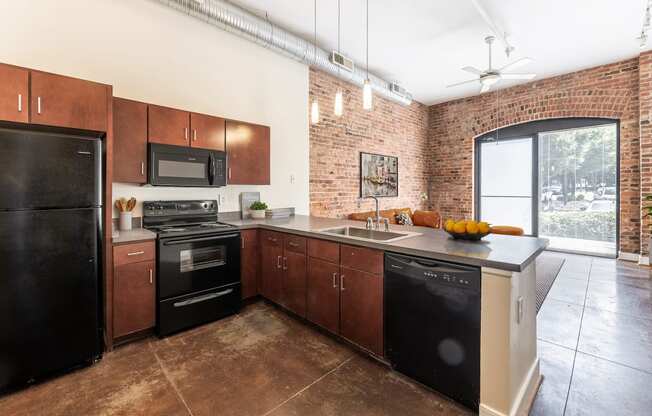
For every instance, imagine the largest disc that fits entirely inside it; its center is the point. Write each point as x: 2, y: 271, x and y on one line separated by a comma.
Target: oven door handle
x: 194, y: 240
x: 202, y: 298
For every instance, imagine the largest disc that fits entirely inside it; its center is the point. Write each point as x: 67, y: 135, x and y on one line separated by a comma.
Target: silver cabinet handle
x: 291, y: 244
x: 243, y: 243
x: 20, y: 103
x: 136, y: 253
x: 142, y: 168
x: 194, y: 135
x: 151, y: 277
x: 229, y: 173
x: 335, y: 280
x: 278, y: 262
x: 38, y: 105
x: 342, y: 288
x: 185, y: 133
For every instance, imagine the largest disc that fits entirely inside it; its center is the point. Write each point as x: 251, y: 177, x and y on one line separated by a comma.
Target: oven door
x: 194, y: 263
x: 186, y: 166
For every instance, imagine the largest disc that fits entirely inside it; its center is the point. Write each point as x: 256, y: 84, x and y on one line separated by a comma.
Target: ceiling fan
x: 491, y: 76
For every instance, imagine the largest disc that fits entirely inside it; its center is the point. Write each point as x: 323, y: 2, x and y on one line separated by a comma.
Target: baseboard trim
x: 622, y: 255
x: 524, y: 398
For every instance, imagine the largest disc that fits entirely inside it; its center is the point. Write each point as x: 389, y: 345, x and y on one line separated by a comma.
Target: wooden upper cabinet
x: 14, y: 94
x: 129, y: 141
x: 207, y: 132
x: 62, y: 101
x: 248, y: 153
x: 168, y: 126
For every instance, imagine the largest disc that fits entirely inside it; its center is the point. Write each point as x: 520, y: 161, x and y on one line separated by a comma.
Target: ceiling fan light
x: 489, y: 80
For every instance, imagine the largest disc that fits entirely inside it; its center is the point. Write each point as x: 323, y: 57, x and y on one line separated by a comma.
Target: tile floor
x: 595, y: 345
x: 595, y: 340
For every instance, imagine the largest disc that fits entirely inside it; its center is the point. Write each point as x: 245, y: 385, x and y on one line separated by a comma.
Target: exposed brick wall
x: 610, y: 91
x: 335, y: 146
x: 645, y: 114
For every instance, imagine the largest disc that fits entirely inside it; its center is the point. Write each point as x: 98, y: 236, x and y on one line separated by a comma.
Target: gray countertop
x: 497, y: 251
x: 132, y: 236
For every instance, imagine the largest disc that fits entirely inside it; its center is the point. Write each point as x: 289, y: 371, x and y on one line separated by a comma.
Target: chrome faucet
x: 375, y: 221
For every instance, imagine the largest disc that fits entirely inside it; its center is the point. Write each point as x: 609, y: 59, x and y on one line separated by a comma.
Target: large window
x: 571, y: 165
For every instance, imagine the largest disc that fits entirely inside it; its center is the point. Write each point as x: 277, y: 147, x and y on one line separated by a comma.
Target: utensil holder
x: 125, y: 221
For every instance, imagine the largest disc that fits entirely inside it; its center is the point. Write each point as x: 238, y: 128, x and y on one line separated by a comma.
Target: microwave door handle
x: 194, y: 240
x: 211, y: 169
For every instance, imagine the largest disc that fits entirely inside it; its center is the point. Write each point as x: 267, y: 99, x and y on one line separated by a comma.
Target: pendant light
x: 367, y: 94
x: 314, y: 107
x: 339, y: 99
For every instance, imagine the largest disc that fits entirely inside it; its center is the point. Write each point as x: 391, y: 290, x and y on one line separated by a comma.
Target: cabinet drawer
x: 363, y: 259
x: 295, y: 243
x: 271, y: 238
x: 133, y: 253
x: 324, y: 250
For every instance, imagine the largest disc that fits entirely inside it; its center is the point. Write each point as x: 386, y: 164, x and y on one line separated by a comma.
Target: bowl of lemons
x: 467, y: 229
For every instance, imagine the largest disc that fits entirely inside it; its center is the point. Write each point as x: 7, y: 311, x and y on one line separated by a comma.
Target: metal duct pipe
x: 233, y: 19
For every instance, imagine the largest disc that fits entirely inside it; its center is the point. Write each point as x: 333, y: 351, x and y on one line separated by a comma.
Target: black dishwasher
x: 432, y: 324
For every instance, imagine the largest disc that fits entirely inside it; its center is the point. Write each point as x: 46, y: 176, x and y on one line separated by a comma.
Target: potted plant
x: 258, y: 210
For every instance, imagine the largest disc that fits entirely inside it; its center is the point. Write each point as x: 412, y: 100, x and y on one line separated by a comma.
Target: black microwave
x: 185, y: 166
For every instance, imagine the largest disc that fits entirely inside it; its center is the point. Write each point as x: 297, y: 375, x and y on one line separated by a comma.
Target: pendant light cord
x: 367, y: 39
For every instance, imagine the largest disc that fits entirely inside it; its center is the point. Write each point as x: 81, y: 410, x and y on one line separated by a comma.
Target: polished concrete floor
x: 595, y: 340
x: 595, y: 345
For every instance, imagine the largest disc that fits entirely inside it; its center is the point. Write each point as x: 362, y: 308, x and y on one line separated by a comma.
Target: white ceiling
x: 422, y: 44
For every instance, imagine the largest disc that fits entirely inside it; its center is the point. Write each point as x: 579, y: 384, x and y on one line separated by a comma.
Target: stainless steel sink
x: 369, y: 235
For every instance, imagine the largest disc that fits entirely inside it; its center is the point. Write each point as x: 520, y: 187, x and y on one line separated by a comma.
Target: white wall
x: 151, y: 53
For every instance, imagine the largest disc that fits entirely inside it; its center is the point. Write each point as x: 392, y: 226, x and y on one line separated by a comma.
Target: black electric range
x: 198, y: 259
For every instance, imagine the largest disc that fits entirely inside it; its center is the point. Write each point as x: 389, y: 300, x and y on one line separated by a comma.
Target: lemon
x: 472, y: 227
x: 448, y: 226
x: 460, y: 227
x: 483, y: 227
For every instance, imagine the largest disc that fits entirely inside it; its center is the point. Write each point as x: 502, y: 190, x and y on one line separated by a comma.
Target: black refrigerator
x: 50, y: 254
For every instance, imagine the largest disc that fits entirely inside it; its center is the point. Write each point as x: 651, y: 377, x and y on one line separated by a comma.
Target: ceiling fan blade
x: 462, y: 83
x: 516, y: 64
x: 517, y: 76
x: 485, y: 88
x: 472, y: 70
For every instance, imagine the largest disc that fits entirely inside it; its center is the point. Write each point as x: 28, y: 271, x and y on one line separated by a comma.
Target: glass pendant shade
x: 314, y: 112
x: 367, y: 95
x: 339, y: 104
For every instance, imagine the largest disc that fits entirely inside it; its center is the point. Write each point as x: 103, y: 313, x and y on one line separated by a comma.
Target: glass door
x: 505, y: 182
x: 578, y: 189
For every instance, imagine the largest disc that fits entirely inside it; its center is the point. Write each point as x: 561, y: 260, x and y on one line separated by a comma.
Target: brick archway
x: 609, y: 91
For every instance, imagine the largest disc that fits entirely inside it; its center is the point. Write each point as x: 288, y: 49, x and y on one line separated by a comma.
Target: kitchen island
x: 509, y: 366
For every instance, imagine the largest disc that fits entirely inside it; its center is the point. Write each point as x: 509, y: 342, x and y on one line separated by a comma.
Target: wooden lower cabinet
x: 323, y: 300
x: 249, y: 263
x: 361, y: 308
x: 134, y: 298
x: 293, y: 287
x: 271, y: 265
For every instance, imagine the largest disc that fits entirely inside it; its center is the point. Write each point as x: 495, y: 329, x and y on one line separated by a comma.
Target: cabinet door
x: 271, y: 271
x: 294, y: 282
x: 361, y: 309
x: 129, y: 141
x: 68, y: 102
x: 168, y: 126
x: 14, y: 94
x: 249, y: 263
x: 323, y: 300
x: 248, y: 152
x: 134, y: 298
x: 207, y: 132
